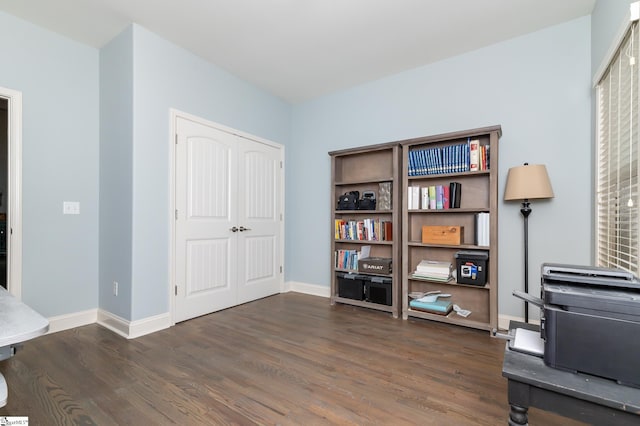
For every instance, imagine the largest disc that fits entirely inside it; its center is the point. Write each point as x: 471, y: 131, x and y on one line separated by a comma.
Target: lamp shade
x: 528, y: 182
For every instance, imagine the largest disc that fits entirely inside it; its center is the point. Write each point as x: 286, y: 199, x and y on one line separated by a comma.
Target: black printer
x: 590, y: 321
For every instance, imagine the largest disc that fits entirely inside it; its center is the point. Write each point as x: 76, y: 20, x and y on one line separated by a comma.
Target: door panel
x: 207, y: 267
x: 259, y: 266
x: 260, y: 186
x: 205, y: 245
x: 209, y: 179
x: 260, y: 250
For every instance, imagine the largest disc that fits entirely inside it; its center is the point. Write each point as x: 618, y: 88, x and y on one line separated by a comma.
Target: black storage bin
x: 472, y: 267
x: 378, y: 290
x: 350, y: 286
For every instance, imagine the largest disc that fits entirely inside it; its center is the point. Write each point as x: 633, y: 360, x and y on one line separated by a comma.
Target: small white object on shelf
x: 462, y: 312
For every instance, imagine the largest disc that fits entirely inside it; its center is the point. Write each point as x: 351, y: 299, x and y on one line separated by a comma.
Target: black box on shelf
x: 472, y: 267
x: 350, y: 286
x: 375, y: 265
x: 378, y: 290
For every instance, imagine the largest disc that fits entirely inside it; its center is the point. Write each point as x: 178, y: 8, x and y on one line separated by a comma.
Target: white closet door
x: 259, y: 175
x: 206, y: 178
x: 228, y: 226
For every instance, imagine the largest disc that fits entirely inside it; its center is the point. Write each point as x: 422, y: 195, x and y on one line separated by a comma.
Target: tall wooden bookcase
x: 366, y: 169
x: 479, y: 194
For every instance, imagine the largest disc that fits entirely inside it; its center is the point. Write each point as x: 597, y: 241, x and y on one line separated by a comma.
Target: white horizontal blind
x: 617, y: 159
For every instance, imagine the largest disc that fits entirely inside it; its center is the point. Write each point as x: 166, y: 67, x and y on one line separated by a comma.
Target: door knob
x: 234, y: 229
x: 242, y: 228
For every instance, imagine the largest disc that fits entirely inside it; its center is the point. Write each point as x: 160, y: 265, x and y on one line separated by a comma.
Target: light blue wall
x: 116, y: 173
x: 58, y: 79
x: 536, y: 86
x: 167, y: 76
x: 74, y: 95
x: 606, y: 19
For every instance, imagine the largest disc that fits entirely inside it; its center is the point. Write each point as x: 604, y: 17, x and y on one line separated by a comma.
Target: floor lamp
x: 526, y: 183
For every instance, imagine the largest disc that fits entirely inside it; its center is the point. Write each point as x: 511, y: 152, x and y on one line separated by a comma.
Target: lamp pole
x: 525, y: 183
x: 526, y: 211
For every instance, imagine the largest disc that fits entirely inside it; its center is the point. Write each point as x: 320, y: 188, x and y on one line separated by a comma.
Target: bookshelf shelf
x: 452, y: 283
x: 479, y: 194
x: 458, y: 247
x: 363, y: 304
x: 446, y: 175
x: 363, y: 169
x: 362, y: 212
x: 450, y: 211
x: 366, y: 242
x: 451, y: 318
x: 363, y: 182
x: 353, y: 271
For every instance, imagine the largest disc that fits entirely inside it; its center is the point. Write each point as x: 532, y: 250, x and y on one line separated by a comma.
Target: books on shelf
x: 484, y: 157
x: 482, y: 224
x: 439, y: 194
x: 364, y: 230
x: 434, y: 197
x: 424, y: 192
x: 455, y: 194
x: 347, y: 259
x: 457, y: 158
x: 434, y: 270
x: 442, y: 307
x: 413, y: 197
x: 474, y: 155
x: 446, y: 190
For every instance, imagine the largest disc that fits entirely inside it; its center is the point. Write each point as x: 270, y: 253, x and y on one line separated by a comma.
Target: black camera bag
x: 348, y: 201
x: 368, y: 201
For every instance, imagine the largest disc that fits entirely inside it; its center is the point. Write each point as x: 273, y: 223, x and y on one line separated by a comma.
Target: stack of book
x: 431, y: 161
x: 482, y: 221
x: 478, y: 156
x: 433, y: 270
x: 430, y: 303
x: 434, y: 197
x: 458, y: 158
x: 347, y: 259
x: 364, y: 230
x: 442, y: 307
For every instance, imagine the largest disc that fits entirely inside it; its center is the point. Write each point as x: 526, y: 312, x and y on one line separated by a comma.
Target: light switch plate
x: 70, y: 207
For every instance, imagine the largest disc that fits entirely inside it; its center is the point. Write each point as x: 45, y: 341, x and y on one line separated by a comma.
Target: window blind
x: 617, y: 222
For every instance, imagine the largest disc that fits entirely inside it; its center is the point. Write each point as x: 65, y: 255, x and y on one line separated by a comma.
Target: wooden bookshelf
x: 365, y: 169
x: 479, y: 195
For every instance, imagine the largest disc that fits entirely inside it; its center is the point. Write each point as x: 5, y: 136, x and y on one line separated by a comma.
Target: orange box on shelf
x: 445, y: 235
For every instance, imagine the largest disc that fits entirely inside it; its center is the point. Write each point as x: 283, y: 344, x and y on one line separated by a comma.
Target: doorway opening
x: 11, y: 191
x: 4, y: 177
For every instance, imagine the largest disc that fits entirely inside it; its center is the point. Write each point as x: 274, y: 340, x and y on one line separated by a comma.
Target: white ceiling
x: 300, y: 49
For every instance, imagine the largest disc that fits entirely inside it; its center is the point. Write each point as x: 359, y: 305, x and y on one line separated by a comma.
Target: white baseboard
x: 125, y: 328
x: 114, y: 323
x: 76, y: 319
x: 132, y: 329
x: 312, y: 289
x: 149, y: 325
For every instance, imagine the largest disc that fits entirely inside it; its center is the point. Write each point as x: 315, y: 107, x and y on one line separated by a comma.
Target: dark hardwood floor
x: 290, y: 359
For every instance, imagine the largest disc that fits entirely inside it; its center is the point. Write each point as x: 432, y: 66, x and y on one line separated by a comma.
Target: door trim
x: 14, y: 184
x: 174, y: 115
